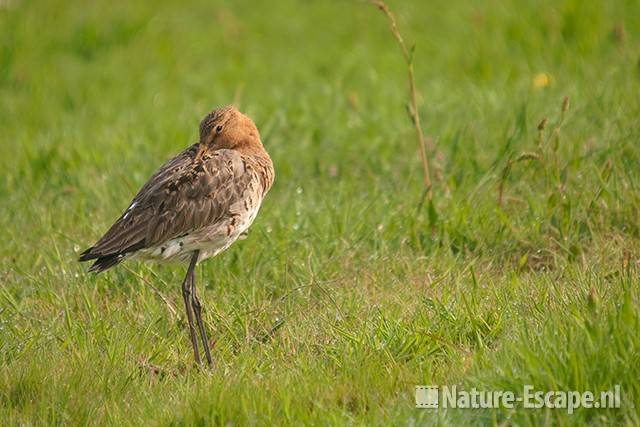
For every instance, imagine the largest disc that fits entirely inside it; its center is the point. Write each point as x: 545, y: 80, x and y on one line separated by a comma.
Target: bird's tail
x: 105, y: 261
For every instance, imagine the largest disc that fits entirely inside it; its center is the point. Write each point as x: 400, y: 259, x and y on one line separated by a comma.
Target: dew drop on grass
x: 269, y: 229
x: 299, y: 190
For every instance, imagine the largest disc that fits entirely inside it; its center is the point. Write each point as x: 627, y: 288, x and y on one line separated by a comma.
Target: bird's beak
x: 201, y: 150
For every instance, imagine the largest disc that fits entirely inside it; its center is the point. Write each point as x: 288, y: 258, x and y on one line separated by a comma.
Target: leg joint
x: 186, y: 292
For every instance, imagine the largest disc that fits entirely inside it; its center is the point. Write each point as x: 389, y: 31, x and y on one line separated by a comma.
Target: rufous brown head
x: 228, y: 128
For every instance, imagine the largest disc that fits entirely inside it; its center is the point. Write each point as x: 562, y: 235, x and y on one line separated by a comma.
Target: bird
x: 193, y: 207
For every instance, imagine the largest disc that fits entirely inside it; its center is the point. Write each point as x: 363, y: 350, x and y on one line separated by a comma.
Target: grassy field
x: 344, y: 296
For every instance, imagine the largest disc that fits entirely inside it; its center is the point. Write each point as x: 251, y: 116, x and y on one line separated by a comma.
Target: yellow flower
x: 541, y: 80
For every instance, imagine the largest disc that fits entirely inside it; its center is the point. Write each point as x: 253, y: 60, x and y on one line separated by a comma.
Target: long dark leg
x: 197, y: 309
x: 186, y: 294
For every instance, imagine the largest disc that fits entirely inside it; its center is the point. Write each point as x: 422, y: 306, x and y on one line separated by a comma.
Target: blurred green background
x: 376, y: 296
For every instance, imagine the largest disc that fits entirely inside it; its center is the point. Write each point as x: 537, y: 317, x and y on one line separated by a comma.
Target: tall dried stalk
x: 413, y: 105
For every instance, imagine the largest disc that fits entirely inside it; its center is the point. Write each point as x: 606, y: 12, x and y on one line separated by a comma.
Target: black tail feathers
x: 106, y: 261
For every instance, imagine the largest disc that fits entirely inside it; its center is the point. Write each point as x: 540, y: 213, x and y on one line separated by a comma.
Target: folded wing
x: 183, y: 196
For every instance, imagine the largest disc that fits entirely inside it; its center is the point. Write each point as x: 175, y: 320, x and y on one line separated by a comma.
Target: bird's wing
x: 184, y: 195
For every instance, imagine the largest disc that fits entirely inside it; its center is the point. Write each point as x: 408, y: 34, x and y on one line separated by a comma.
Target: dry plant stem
x: 413, y: 110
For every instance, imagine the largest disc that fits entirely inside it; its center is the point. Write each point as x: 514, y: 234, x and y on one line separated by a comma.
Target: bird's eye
x: 218, y: 128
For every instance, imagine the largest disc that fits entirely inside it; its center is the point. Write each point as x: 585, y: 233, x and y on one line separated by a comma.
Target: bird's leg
x: 186, y: 294
x: 197, y: 309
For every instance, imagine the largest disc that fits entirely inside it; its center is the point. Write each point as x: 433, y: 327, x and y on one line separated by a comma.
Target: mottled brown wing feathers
x: 199, y: 198
x: 183, y: 196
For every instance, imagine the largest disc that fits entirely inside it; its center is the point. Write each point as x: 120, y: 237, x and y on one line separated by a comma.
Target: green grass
x: 375, y: 297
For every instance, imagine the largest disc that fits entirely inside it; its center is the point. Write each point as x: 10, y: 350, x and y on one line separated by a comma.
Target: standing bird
x: 194, y: 207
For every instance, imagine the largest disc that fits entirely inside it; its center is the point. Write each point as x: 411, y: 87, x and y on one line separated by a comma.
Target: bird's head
x: 228, y: 128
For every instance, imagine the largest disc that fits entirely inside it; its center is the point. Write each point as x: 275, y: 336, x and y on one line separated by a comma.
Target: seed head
x: 542, y: 124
